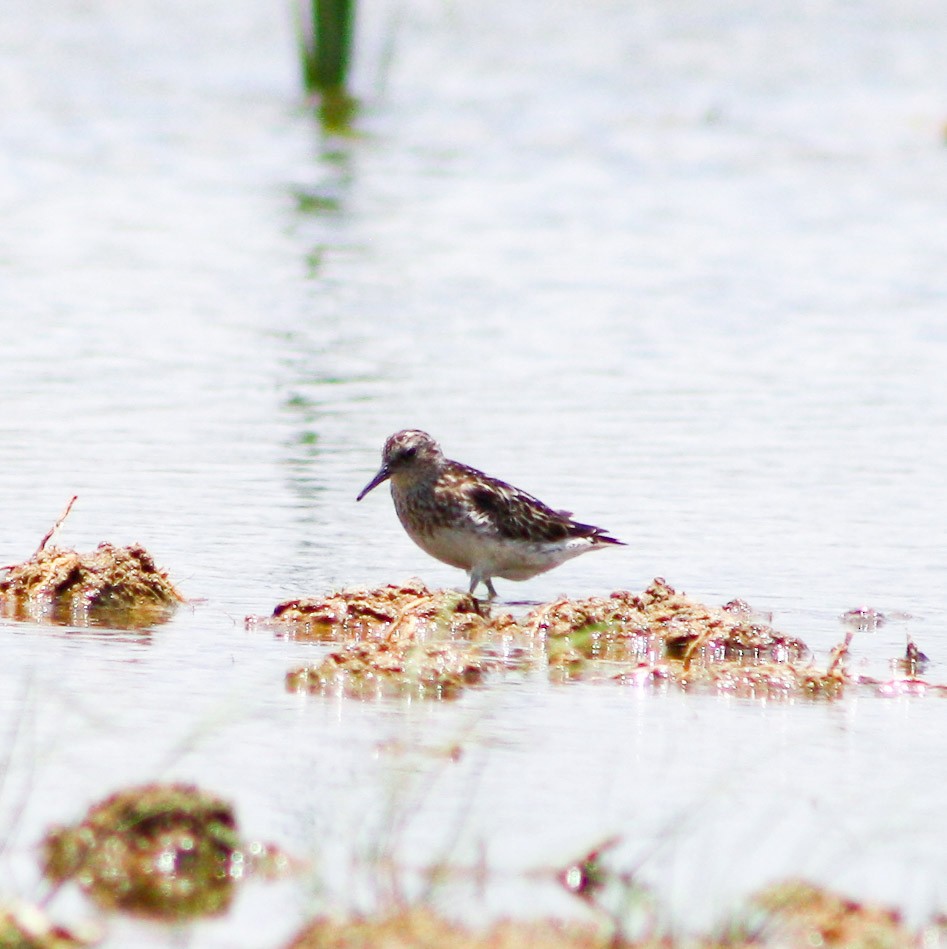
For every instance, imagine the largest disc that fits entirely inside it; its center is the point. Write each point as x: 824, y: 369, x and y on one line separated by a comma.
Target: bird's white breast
x: 498, y: 557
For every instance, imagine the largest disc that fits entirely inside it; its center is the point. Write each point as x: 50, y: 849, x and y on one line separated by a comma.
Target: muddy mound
x: 408, y: 640
x: 397, y: 610
x: 662, y: 623
x: 395, y: 640
x: 167, y: 851
x: 111, y: 585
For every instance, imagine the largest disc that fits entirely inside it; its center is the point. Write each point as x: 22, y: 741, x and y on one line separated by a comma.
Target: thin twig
x: 839, y: 654
x: 55, y: 526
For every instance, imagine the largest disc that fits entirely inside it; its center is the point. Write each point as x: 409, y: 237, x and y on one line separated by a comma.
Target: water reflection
x: 321, y: 204
x: 118, y: 629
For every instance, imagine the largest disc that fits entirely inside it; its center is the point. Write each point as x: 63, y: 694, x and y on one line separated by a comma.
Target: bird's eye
x: 409, y: 453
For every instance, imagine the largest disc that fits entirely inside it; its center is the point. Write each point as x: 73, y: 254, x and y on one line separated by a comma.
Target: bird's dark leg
x: 476, y: 578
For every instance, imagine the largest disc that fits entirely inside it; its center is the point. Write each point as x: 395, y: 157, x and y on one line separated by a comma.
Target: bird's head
x: 407, y: 454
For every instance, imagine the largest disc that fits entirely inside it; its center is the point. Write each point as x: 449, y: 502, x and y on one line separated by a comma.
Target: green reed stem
x: 326, y: 45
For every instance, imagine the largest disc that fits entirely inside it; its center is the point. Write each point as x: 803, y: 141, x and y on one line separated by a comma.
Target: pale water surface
x: 678, y: 266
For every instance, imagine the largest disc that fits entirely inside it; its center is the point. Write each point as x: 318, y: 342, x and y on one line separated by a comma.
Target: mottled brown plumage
x: 470, y: 520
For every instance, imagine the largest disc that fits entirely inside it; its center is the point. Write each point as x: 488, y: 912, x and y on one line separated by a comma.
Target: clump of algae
x: 168, y: 851
x: 663, y: 624
x: 109, y: 586
x: 397, y: 640
x: 793, y: 913
x: 364, y: 670
x: 800, y: 913
x: 664, y: 637
x: 419, y: 926
x: 408, y: 640
x: 380, y: 614
x: 119, y: 586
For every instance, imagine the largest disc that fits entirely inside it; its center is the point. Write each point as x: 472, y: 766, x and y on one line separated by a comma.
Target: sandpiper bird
x: 469, y: 520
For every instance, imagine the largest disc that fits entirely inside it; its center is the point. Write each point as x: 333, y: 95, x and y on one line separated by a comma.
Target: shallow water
x: 676, y: 267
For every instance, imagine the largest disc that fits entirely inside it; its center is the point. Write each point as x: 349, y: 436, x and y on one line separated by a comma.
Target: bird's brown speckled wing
x: 508, y: 512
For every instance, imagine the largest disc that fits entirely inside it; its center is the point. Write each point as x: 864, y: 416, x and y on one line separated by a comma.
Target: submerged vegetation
x: 109, y: 586
x: 169, y: 851
x: 363, y: 670
x: 409, y: 640
x: 420, y: 926
x: 793, y: 913
x: 398, y: 640
x: 799, y: 913
x: 403, y: 611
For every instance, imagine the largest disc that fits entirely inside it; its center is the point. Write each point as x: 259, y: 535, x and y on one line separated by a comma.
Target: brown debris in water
x: 864, y: 618
x: 913, y: 662
x: 24, y: 926
x: 397, y: 610
x: 413, y: 927
x: 792, y: 913
x: 112, y: 586
x: 408, y: 640
x: 168, y: 851
x: 397, y: 640
x: 770, y: 679
x: 799, y: 913
x: 660, y: 622
x: 671, y: 638
x: 398, y: 668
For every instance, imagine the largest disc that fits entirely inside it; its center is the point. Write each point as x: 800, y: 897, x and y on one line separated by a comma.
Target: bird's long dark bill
x: 383, y: 475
